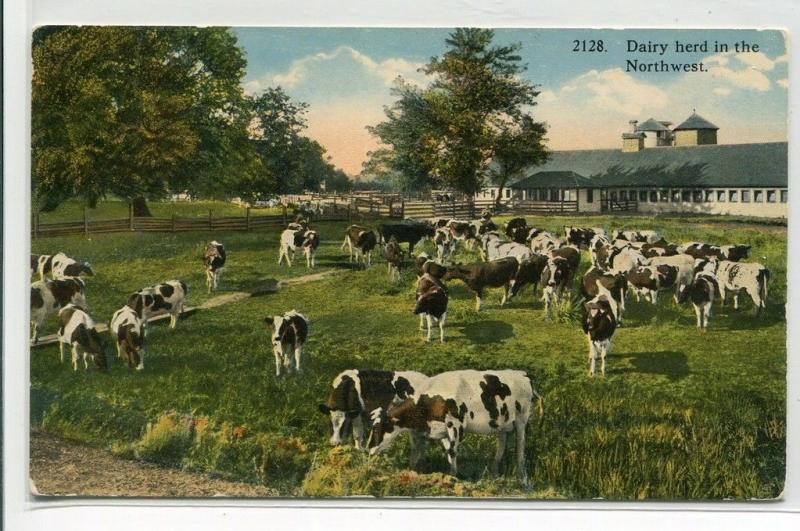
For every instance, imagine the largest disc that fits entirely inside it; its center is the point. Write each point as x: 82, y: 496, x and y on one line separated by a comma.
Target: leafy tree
x: 448, y: 133
x: 137, y: 113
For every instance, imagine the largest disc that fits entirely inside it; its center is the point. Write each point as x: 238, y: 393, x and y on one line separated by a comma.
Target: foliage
x: 476, y: 110
x: 137, y: 112
x: 680, y: 414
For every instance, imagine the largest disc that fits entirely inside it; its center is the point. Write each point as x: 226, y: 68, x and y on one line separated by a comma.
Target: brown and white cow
x: 558, y: 276
x: 615, y: 283
x: 79, y: 331
x: 165, y: 298
x: 127, y: 330
x: 732, y: 253
x: 394, y: 258
x: 425, y: 264
x: 647, y: 281
x: 214, y: 260
x: 753, y: 278
x: 431, y: 303
x: 445, y: 244
x: 48, y: 296
x: 685, y: 270
x: 289, y: 333
x: 542, y: 242
x: 411, y: 232
x: 702, y: 292
x: 451, y: 404
x: 582, y: 236
x: 61, y: 266
x: 356, y: 393
x: 361, y: 241
x: 599, y: 323
x: 294, y: 239
x: 481, y: 275
x: 643, y: 236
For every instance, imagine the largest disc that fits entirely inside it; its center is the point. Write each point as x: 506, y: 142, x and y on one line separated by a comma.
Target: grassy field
x: 116, y: 209
x: 680, y: 414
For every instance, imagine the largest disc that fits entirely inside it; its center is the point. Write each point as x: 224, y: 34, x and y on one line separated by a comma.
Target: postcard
x: 539, y: 264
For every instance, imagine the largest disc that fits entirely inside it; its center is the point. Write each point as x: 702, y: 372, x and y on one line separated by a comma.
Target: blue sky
x: 345, y: 74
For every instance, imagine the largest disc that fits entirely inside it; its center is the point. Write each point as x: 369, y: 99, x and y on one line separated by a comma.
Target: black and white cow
x: 625, y: 259
x: 394, y: 258
x: 543, y: 242
x: 615, y: 283
x: 659, y: 248
x: 703, y: 291
x: 406, y: 232
x: 732, y: 253
x: 482, y: 275
x: 431, y: 303
x: 750, y: 277
x: 79, y: 332
x: 493, y: 248
x: 426, y: 265
x: 599, y: 250
x: 643, y: 236
x: 61, y: 266
x: 361, y: 241
x: 558, y: 276
x: 647, y: 281
x: 451, y: 404
x: 685, y: 270
x: 445, y: 244
x: 599, y: 324
x: 47, y: 296
x: 528, y: 272
x: 289, y: 334
x: 486, y: 225
x: 214, y: 260
x: 292, y: 239
x: 35, y: 263
x: 127, y: 330
x: 356, y: 393
x: 514, y: 225
x: 165, y: 298
x: 582, y: 236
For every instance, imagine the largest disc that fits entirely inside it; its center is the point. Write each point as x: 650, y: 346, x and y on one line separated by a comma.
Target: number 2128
x: 588, y: 46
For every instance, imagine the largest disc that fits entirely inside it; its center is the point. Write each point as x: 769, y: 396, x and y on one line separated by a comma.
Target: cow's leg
x: 280, y: 254
x: 208, y: 279
x: 278, y: 362
x: 505, y: 294
x: 755, y: 296
x: 119, y: 350
x: 735, y: 300
x: 298, y: 355
x: 421, y: 321
x: 358, y: 433
x: 698, y: 311
x: 519, y: 431
x: 86, y: 359
x: 418, y: 445
x: 441, y: 326
x: 502, y: 439
x: 450, y: 444
x: 654, y: 296
x: 173, y: 320
x: 592, y: 355
x: 603, y: 353
x: 61, y: 350
x: 75, y: 355
x: 141, y: 359
x: 428, y: 320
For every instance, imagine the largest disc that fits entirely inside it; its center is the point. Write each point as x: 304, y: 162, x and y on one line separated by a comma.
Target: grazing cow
x: 79, y: 331
x: 599, y: 250
x: 493, y: 248
x: 732, y: 253
x: 702, y: 291
x: 165, y: 298
x: 293, y: 239
x: 625, y: 259
x: 289, y: 334
x: 599, y: 324
x: 543, y: 242
x: 406, y: 232
x: 127, y: 330
x: 514, y: 224
x: 310, y: 246
x: 614, y: 283
x: 582, y: 236
x: 647, y: 281
x: 659, y: 248
x: 361, y: 241
x: 529, y: 271
x: 356, y: 393
x: 445, y: 244
x: 47, y: 296
x: 750, y: 277
x: 215, y: 262
x: 431, y: 303
x: 482, y: 275
x: 684, y: 265
x: 62, y: 266
x: 425, y: 264
x: 558, y: 276
x: 643, y: 236
x: 394, y: 258
x: 451, y: 404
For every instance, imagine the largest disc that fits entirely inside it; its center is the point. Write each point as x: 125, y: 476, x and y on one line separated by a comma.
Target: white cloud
x: 756, y: 60
x: 783, y: 83
x: 722, y: 91
x: 749, y: 78
x: 615, y: 90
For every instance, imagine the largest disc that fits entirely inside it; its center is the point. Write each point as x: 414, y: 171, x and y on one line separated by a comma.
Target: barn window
x: 720, y: 196
x: 643, y: 195
x: 733, y: 196
x: 771, y: 196
x: 758, y: 196
x: 508, y: 193
x: 746, y: 196
x: 784, y: 196
x: 697, y: 196
x: 567, y: 195
x: 590, y: 195
x: 653, y: 196
x: 709, y: 196
x: 663, y: 196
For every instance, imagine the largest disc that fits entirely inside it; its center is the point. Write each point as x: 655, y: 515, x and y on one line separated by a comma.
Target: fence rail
x: 545, y: 207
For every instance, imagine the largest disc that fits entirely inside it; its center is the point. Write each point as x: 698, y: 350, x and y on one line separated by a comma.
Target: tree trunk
x: 140, y: 208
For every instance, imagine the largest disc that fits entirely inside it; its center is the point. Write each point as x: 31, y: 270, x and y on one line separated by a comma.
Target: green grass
x: 680, y: 414
x: 72, y: 210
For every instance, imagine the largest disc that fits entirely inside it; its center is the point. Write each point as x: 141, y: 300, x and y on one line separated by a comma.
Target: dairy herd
x: 444, y: 407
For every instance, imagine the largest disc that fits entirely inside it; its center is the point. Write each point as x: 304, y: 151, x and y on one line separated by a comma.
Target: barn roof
x: 553, y: 179
x: 720, y: 165
x: 651, y: 125
x: 695, y: 121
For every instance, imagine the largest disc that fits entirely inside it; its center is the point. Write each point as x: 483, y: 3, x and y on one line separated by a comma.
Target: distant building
x: 661, y: 170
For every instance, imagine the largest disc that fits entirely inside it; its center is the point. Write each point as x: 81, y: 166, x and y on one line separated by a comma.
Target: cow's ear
x: 325, y: 410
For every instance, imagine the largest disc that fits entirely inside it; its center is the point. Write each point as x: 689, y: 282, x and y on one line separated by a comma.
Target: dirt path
x: 64, y: 468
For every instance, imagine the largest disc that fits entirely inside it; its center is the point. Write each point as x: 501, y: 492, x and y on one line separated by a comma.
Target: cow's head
x: 343, y: 407
x: 734, y: 253
x: 279, y: 325
x: 557, y: 271
x: 386, y: 426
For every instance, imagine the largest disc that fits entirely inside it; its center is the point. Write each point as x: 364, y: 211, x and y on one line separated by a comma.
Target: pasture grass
x: 679, y: 415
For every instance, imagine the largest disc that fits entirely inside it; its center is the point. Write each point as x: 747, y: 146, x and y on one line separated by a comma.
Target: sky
x: 586, y: 98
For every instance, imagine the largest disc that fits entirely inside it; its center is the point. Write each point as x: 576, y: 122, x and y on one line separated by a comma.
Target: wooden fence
x: 545, y: 207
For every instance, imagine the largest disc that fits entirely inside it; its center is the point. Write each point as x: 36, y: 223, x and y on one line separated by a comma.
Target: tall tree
x: 448, y: 133
x: 518, y: 145
x: 136, y: 112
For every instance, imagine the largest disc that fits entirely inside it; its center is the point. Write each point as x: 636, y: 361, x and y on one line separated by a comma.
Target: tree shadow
x: 487, y: 332
x: 266, y: 286
x: 671, y: 364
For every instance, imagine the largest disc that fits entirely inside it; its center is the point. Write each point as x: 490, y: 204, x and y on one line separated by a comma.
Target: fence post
x: 85, y: 220
x: 247, y: 219
x: 173, y: 222
x: 130, y: 214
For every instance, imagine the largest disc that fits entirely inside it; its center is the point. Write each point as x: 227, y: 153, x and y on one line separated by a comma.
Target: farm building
x: 681, y: 170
